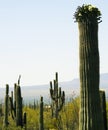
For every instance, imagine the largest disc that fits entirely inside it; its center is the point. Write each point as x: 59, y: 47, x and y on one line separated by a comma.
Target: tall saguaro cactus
x: 57, y: 96
x: 88, y: 18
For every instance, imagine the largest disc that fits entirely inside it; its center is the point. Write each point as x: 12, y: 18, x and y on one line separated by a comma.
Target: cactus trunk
x: 18, y: 107
x: 90, y: 110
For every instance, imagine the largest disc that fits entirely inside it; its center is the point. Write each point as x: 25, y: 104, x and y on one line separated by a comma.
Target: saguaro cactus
x: 88, y: 18
x: 57, y: 96
x: 41, y: 120
x: 6, y: 106
x: 18, y: 107
x: 103, y: 106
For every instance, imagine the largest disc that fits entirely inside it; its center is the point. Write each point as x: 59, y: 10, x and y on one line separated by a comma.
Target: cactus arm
x: 11, y: 107
x: 51, y: 91
x: 19, y: 79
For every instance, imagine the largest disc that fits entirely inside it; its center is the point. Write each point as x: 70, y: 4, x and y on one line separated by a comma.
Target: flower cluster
x: 87, y: 12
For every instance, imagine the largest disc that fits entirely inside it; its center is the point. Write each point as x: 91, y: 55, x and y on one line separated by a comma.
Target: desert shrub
x: 68, y: 118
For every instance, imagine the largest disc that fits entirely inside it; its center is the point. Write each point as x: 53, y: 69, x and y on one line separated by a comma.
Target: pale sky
x: 40, y: 37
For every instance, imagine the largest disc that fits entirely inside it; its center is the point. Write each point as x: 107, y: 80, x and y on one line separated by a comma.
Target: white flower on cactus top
x: 87, y: 12
x: 90, y: 7
x: 79, y: 14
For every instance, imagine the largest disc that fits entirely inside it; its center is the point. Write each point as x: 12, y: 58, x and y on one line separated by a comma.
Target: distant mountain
x: 70, y: 87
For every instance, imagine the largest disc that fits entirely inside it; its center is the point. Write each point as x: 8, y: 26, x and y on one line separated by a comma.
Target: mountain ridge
x: 70, y: 88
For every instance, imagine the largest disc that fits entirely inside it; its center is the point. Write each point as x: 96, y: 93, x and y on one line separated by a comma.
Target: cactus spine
x: 6, y: 106
x: 88, y: 18
x: 57, y: 96
x: 41, y: 121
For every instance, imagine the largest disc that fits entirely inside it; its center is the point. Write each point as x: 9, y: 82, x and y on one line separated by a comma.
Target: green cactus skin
x: 57, y: 96
x: 90, y: 110
x: 6, y: 106
x: 11, y: 107
x: 103, y: 106
x: 11, y: 104
x: 18, y: 106
x: 41, y: 120
x: 19, y: 79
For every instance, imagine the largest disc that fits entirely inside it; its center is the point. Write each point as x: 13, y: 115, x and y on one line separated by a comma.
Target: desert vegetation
x: 39, y: 116
x: 68, y: 118
x: 88, y: 111
x: 42, y: 116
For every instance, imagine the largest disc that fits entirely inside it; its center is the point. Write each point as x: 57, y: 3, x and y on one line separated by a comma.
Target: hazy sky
x: 40, y: 37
